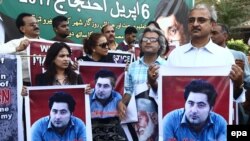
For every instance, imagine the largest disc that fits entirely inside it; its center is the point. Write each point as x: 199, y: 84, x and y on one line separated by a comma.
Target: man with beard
x: 61, y: 124
x: 147, y: 127
x: 196, y: 121
x: 61, y: 28
x: 103, y: 106
x: 109, y: 32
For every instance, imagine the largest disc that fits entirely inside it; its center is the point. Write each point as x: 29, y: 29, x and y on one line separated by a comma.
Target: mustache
x: 37, y: 28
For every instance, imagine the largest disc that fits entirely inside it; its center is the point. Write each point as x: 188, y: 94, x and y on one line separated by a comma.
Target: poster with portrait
x: 10, y: 99
x: 88, y: 71
x: 37, y: 105
x: 174, y: 80
x: 38, y: 50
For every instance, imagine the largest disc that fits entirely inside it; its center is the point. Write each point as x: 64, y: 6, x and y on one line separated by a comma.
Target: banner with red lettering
x: 10, y: 98
x: 38, y: 50
x: 37, y: 105
x: 172, y: 86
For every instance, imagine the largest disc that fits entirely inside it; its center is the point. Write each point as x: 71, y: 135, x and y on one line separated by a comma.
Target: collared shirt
x: 104, y: 111
x: 123, y: 46
x: 214, y: 129
x: 42, y: 130
x: 137, y: 74
x: 209, y: 55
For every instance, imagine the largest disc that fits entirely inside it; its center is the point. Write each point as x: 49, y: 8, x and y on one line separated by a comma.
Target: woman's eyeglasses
x: 103, y: 45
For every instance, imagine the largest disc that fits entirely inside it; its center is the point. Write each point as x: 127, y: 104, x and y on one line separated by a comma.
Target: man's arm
x: 12, y: 46
x: 236, y: 74
x: 122, y: 105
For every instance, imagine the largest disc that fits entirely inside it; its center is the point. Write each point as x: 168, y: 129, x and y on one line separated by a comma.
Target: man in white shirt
x: 201, y: 51
x: 28, y: 26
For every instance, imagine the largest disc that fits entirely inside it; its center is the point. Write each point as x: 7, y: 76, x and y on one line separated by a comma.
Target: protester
x: 60, y: 124
x: 152, y: 44
x: 220, y: 35
x: 58, y: 67
x: 129, y: 42
x: 196, y: 120
x: 28, y: 26
x: 61, y: 28
x: 202, y: 52
x: 96, y: 48
x: 103, y: 105
x: 109, y: 32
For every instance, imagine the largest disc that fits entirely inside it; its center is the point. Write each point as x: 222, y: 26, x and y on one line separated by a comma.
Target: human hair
x: 104, y: 73
x: 103, y: 28
x: 161, y: 38
x: 57, y: 20
x: 91, y: 42
x: 130, y: 30
x: 201, y: 86
x: 20, y: 22
x: 211, y: 10
x: 50, y: 66
x: 178, y: 8
x: 62, y: 97
x: 154, y: 23
x: 224, y: 28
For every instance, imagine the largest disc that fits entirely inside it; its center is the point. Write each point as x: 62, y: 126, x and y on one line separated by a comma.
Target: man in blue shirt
x: 61, y: 124
x: 196, y: 121
x: 103, y: 105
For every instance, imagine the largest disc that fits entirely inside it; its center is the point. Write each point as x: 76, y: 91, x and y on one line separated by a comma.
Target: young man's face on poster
x: 197, y: 108
x: 60, y: 114
x: 103, y: 88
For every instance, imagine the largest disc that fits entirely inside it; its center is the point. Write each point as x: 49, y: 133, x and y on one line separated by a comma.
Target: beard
x: 148, y: 131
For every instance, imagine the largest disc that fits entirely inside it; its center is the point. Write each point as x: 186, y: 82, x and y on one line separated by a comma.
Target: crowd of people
x: 206, y: 48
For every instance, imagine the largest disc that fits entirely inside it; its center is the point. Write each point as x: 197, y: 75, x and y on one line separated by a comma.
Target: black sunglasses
x: 103, y: 45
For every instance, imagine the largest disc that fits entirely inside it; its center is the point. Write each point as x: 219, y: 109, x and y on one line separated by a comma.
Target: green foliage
x: 238, y: 45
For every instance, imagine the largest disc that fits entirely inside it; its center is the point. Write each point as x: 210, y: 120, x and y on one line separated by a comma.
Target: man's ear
x: 226, y: 36
x: 213, y: 23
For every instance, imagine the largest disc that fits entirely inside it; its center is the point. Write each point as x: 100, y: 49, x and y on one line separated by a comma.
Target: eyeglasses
x: 199, y: 20
x: 103, y: 45
x: 145, y: 39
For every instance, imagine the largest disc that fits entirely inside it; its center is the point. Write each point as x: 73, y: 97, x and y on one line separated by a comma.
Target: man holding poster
x: 196, y: 120
x: 61, y: 124
x: 103, y: 105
